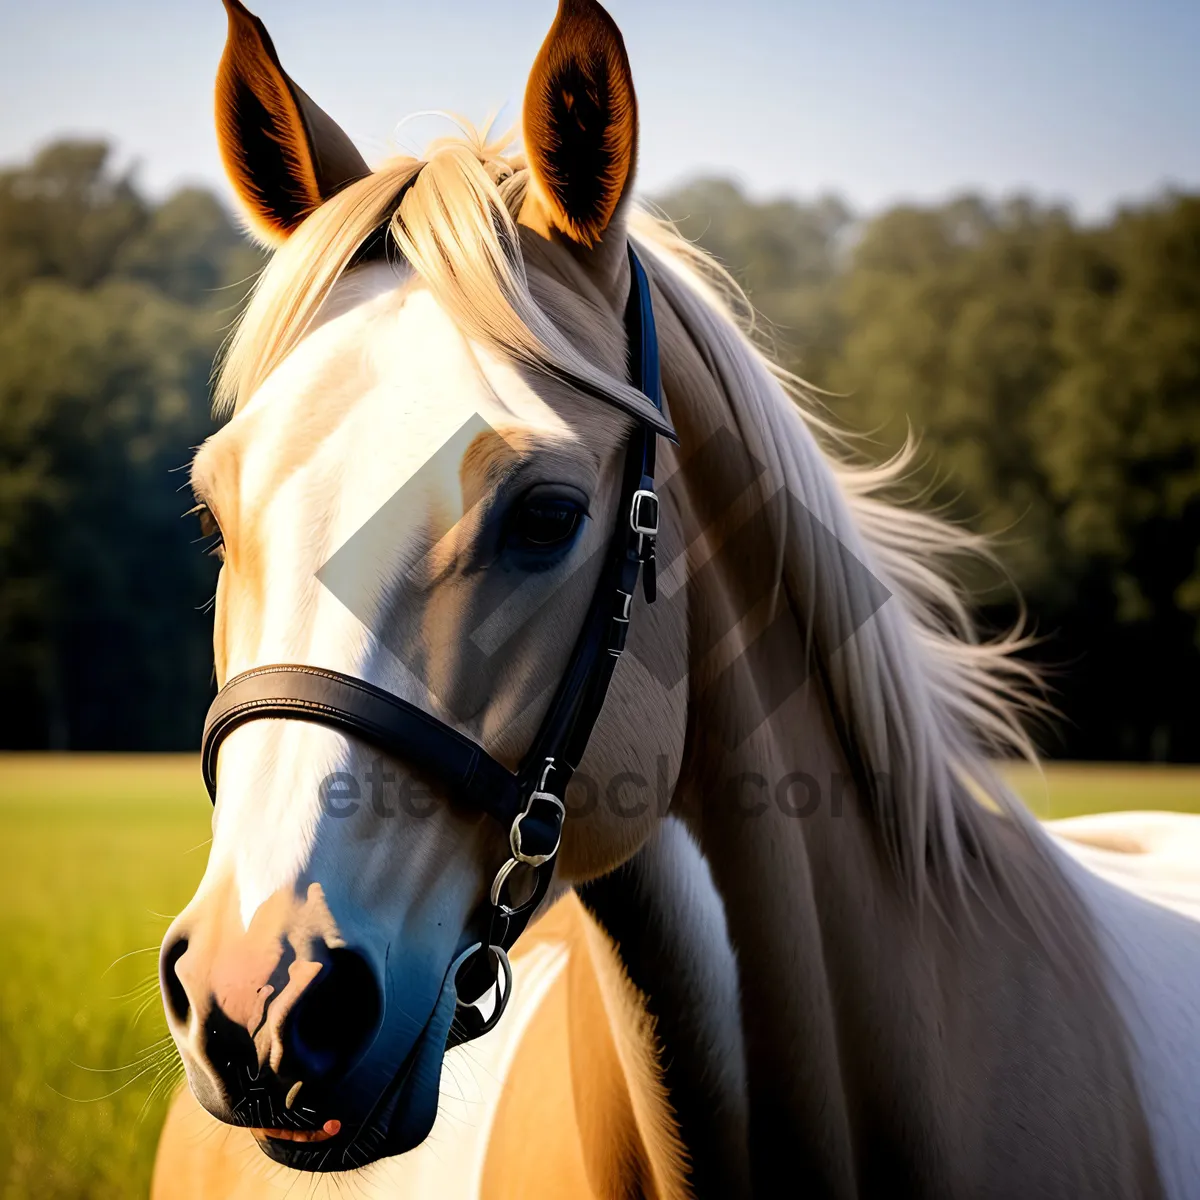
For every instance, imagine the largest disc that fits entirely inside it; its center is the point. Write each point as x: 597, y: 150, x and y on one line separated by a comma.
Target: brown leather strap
x: 352, y: 706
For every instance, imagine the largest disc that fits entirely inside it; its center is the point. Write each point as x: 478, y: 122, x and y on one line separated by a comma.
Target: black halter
x: 529, y: 804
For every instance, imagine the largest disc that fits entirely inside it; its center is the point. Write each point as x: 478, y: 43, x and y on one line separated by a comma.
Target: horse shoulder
x: 588, y: 1078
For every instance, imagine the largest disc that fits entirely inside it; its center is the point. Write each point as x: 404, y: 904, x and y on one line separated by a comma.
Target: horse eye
x: 544, y: 523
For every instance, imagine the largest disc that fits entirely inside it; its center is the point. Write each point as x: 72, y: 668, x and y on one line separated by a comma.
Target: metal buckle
x: 519, y: 857
x: 643, y: 513
x: 514, y: 834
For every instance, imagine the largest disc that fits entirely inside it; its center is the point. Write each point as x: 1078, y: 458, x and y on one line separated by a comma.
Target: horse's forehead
x: 376, y: 391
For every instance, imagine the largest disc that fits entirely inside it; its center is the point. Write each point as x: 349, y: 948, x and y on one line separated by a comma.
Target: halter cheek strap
x: 529, y: 803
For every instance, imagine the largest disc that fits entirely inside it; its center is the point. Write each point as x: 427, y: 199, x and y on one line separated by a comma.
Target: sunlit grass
x: 96, y: 853
x: 1071, y: 789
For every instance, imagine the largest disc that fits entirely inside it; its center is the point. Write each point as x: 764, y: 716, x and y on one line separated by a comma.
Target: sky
x: 1089, y: 102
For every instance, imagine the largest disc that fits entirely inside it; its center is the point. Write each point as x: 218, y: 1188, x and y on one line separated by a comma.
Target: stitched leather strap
x: 355, y: 707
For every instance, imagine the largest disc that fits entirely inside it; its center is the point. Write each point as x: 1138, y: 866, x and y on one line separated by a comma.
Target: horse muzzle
x: 332, y: 1063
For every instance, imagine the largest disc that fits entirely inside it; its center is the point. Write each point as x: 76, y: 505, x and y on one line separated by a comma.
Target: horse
x: 796, y: 932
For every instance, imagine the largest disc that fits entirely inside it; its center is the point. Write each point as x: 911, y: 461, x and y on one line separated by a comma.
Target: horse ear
x: 580, y: 121
x: 283, y: 154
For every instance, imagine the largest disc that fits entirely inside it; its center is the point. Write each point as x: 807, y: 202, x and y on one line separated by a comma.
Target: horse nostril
x: 172, y: 986
x: 335, y: 1019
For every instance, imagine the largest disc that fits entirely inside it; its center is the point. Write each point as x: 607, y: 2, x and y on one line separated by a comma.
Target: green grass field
x: 96, y: 853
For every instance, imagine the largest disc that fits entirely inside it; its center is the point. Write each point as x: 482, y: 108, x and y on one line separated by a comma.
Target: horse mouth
x: 329, y: 1130
x: 399, y: 1119
x: 304, y: 1152
x: 314, y: 1150
x: 395, y: 1125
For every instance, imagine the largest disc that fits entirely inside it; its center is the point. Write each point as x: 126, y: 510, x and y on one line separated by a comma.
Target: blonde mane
x: 948, y: 703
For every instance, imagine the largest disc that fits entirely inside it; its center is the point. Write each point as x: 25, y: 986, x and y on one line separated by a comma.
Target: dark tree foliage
x: 111, y: 310
x: 1052, y: 372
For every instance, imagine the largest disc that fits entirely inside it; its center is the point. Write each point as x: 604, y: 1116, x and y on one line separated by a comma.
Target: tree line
x: 111, y: 310
x: 1050, y: 368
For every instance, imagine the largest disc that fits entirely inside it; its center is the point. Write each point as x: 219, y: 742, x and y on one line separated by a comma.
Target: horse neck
x: 893, y: 1047
x: 807, y: 917
x: 868, y: 1008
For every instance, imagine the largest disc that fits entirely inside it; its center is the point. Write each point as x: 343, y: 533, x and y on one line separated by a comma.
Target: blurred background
x: 979, y: 222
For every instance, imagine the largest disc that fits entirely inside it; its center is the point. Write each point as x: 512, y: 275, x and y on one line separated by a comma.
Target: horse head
x: 417, y: 489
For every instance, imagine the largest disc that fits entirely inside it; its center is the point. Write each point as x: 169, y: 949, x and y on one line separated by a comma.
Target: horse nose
x: 174, y: 991
x: 256, y: 1016
x: 334, y: 1020
x: 323, y: 1033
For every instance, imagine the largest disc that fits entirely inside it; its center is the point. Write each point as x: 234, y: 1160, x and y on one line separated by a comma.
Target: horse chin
x: 400, y: 1117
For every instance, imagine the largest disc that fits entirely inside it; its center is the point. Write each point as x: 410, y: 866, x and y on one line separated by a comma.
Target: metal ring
x: 498, y: 886
x: 503, y: 995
